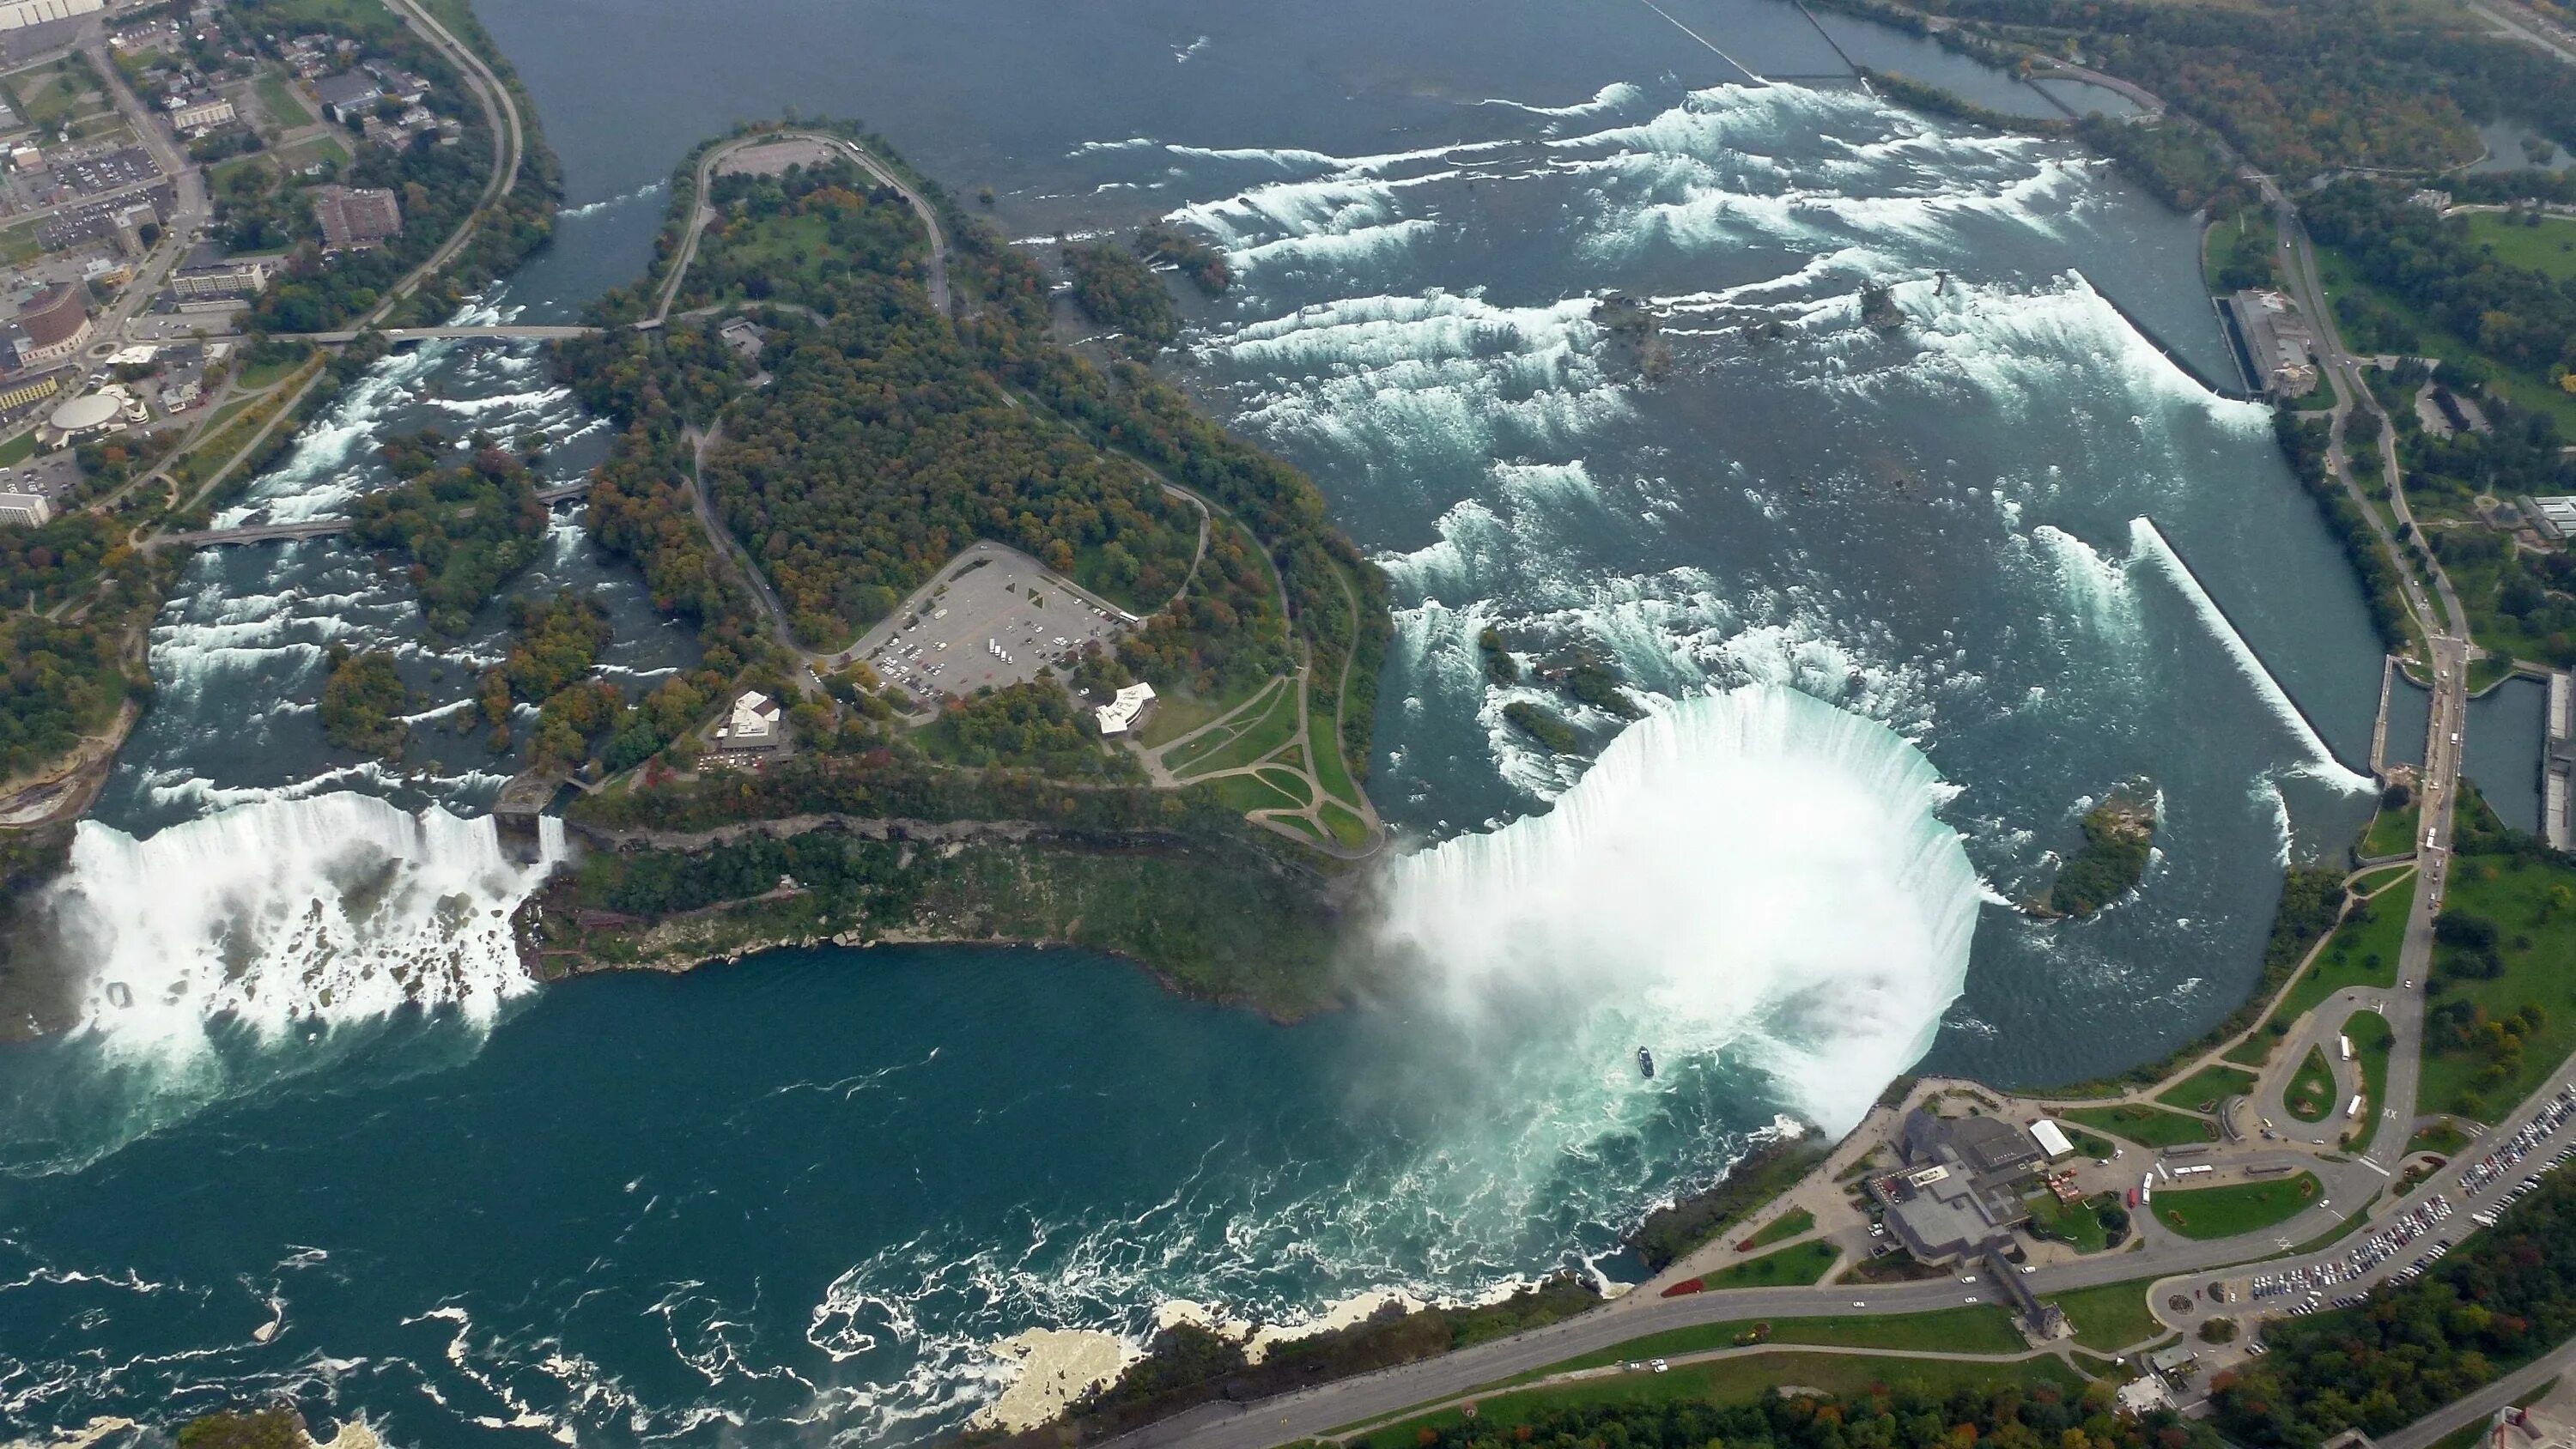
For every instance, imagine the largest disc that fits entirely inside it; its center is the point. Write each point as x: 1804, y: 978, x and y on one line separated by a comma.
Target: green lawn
x: 1302, y: 826
x: 2536, y: 943
x: 2076, y: 1224
x: 2144, y: 1125
x: 1179, y: 712
x: 1986, y: 1328
x: 2362, y: 952
x: 2110, y: 1317
x: 2549, y: 247
x: 1346, y: 825
x: 1274, y: 714
x: 1804, y: 1263
x: 1250, y: 792
x: 2203, y: 1090
x: 2225, y: 1212
x: 1330, y: 768
x: 2441, y: 1137
x: 1788, y: 1226
x: 2392, y: 832
x: 320, y: 148
x: 1286, y: 782
x: 268, y: 375
x: 18, y: 449
x: 2372, y: 1038
x: 2527, y: 388
x: 1741, y: 1380
x: 2311, y: 1097
x: 276, y: 98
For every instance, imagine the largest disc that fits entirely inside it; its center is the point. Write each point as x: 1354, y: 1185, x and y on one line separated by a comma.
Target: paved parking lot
x: 992, y: 616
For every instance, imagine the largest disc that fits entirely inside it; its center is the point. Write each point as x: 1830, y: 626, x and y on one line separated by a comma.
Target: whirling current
x: 1892, y: 604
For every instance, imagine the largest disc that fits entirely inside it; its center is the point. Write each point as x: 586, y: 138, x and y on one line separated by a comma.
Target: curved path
x: 509, y: 145
x: 710, y: 166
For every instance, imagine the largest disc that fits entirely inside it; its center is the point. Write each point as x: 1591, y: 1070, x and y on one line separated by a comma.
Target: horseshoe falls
x: 1880, y: 598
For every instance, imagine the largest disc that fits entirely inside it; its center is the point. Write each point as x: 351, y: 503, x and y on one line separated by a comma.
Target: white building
x: 28, y: 510
x: 19, y: 14
x: 756, y: 726
x: 2051, y: 1139
x: 202, y: 113
x: 1120, y: 713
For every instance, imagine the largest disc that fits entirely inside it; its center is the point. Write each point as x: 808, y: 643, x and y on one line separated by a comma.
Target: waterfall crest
x: 1754, y: 870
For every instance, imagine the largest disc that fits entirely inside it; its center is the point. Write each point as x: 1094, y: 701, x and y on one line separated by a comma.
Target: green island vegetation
x: 1500, y: 666
x: 364, y: 701
x: 2089, y: 1225
x: 1788, y: 1225
x: 1203, y: 262
x: 461, y: 531
x: 2111, y: 1317
x: 260, y: 208
x: 1187, y: 1364
x: 1545, y: 726
x: 2246, y: 1207
x: 1668, y: 1233
x: 58, y: 683
x: 1209, y: 912
x: 1889, y: 1401
x: 2119, y: 836
x: 887, y: 438
x: 1115, y: 288
x: 1030, y: 726
x: 2145, y: 1125
x: 2203, y: 1090
x: 2311, y: 1095
x: 2502, y: 1013
x: 2501, y: 1299
x: 278, y: 1428
x: 1584, y: 671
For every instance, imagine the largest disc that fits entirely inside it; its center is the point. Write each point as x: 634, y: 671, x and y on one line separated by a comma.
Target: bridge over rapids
x: 319, y: 527
x: 511, y: 332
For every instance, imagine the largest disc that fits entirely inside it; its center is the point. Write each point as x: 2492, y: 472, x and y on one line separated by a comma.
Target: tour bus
x: 2197, y: 1167
x: 2355, y: 1109
x: 2347, y: 1047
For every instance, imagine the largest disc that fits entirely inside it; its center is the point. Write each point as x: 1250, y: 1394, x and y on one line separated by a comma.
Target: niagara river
x: 1896, y: 606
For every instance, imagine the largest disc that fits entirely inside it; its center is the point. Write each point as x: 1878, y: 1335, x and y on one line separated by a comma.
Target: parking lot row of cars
x: 2306, y: 1283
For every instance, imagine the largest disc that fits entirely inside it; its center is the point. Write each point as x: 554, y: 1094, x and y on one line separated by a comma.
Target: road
x: 2444, y: 626
x: 509, y: 147
x: 2451, y: 1418
x: 506, y: 332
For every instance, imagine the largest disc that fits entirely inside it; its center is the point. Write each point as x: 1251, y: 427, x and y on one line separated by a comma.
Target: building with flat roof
x: 2277, y: 341
x: 1960, y: 1194
x: 347, y: 96
x: 19, y: 14
x: 1120, y: 715
x: 201, y: 113
x: 26, y: 510
x: 2051, y: 1138
x: 207, y: 274
x: 356, y: 217
x: 756, y: 726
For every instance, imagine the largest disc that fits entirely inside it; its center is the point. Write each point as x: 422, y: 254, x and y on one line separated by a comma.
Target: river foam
x: 1754, y: 871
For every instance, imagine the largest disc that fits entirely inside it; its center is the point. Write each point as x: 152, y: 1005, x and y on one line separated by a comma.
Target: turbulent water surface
x: 1898, y: 604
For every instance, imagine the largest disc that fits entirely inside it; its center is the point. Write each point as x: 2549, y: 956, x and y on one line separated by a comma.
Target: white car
x: 1660, y: 1366
x: 1856, y: 1303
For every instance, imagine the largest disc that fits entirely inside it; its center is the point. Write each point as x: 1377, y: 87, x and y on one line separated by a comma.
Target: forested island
x: 2119, y: 840
x: 845, y: 456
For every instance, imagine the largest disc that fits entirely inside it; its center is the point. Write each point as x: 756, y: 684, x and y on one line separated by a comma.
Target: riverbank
x: 1230, y: 922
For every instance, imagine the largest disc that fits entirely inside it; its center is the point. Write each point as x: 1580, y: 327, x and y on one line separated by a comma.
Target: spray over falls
x: 1754, y: 871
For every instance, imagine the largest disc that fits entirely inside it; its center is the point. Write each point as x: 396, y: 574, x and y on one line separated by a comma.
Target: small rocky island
x: 2119, y: 837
